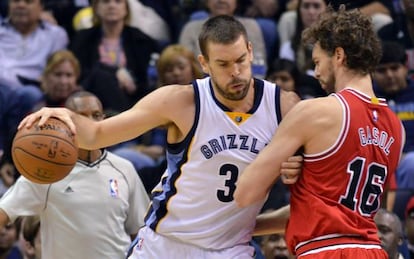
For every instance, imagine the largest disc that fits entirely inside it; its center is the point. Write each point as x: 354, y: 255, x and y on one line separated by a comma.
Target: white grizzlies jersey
x: 194, y: 200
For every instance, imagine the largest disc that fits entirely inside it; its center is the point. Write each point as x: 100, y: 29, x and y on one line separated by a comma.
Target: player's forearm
x: 86, y: 131
x: 250, y: 190
x: 272, y: 222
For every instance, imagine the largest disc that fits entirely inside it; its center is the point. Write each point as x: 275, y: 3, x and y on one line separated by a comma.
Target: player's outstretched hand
x: 291, y: 169
x: 45, y: 113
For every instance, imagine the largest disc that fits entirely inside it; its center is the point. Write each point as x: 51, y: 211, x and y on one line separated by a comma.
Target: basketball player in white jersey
x: 216, y: 127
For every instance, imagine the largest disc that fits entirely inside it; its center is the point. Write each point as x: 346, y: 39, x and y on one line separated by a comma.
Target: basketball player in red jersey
x: 352, y: 144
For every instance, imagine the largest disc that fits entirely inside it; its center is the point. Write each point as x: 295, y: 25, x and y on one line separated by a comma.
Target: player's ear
x: 250, y: 50
x: 339, y: 55
x: 203, y: 63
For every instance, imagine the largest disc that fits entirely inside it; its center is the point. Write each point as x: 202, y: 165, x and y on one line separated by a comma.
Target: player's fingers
x: 28, y: 121
x: 291, y: 176
x: 290, y: 171
x: 289, y: 180
x: 70, y: 124
x: 44, y: 114
x: 298, y: 159
x: 291, y: 165
x: 62, y: 114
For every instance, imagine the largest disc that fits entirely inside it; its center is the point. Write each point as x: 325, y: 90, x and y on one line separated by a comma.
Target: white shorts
x: 151, y: 245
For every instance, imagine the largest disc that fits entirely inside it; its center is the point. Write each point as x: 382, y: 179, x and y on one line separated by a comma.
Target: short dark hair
x: 223, y: 29
x: 281, y: 64
x: 393, y: 52
x: 350, y: 30
x: 77, y: 94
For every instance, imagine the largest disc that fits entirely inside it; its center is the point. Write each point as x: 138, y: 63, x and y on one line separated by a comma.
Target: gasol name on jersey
x: 231, y: 141
x: 376, y: 137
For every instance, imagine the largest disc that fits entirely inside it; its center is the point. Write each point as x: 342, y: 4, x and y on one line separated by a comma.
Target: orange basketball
x: 45, y: 154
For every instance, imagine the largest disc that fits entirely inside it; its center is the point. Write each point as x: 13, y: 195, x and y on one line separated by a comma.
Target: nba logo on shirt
x: 375, y: 116
x: 140, y: 243
x: 113, y: 187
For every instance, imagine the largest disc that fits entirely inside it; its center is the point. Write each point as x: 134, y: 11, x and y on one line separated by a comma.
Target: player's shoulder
x: 288, y: 99
x: 319, y: 103
x: 289, y: 96
x: 310, y: 109
x: 174, y: 93
x: 175, y: 90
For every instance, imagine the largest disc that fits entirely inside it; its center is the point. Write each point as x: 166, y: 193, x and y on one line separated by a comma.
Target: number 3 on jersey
x: 365, y: 200
x: 230, y: 183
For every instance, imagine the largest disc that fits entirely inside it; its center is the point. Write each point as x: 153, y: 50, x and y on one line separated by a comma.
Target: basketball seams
x: 46, y: 135
x: 34, y: 177
x: 41, y: 158
x: 45, y: 154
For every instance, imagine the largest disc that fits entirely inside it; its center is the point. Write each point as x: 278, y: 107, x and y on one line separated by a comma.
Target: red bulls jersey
x: 340, y: 189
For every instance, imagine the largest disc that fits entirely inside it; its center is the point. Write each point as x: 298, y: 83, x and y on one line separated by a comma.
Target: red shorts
x: 345, y: 253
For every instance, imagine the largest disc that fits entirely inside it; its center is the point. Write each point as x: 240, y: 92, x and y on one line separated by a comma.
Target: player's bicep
x: 152, y: 111
x: 291, y: 133
x: 260, y: 175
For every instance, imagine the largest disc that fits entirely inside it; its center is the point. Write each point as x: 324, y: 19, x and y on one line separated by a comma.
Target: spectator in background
x: 63, y: 12
x: 156, y: 19
x: 266, y: 13
x: 409, y: 226
x: 3, y: 9
x: 13, y: 107
x: 260, y: 8
x: 307, y: 13
x: 391, y: 82
x: 380, y: 10
x: 390, y: 232
x: 191, y: 30
x: 177, y: 65
x: 102, y: 198
x: 59, y: 80
x: 274, y: 247
x: 30, y: 237
x: 398, y: 29
x: 113, y: 56
x: 286, y: 74
x: 26, y: 42
x: 402, y: 30
x: 9, y: 234
x: 288, y: 21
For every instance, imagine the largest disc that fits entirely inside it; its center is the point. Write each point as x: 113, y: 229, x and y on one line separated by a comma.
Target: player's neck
x: 244, y: 105
x: 89, y: 155
x: 362, y: 83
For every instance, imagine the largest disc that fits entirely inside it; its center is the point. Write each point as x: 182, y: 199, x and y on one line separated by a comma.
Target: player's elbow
x: 243, y: 199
